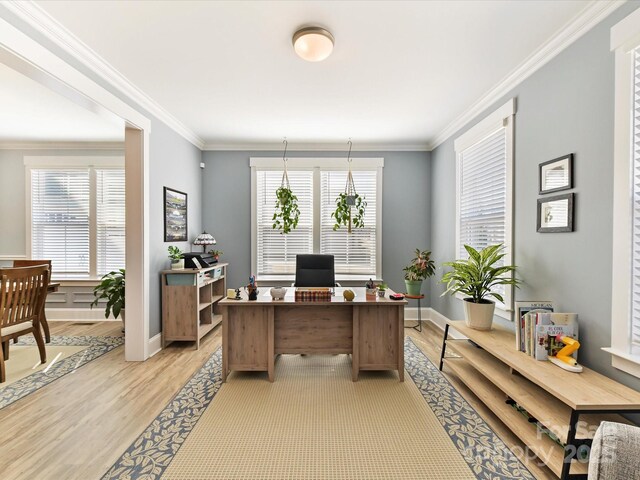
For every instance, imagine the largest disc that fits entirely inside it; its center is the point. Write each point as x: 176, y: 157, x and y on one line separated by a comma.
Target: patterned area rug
x: 314, y: 423
x: 90, y: 348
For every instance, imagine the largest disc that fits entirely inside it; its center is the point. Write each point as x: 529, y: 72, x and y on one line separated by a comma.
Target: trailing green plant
x: 175, y: 253
x: 421, y: 267
x: 345, y: 214
x: 111, y: 287
x: 287, y: 213
x: 477, y: 277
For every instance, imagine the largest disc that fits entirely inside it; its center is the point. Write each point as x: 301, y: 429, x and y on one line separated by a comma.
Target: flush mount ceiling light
x: 313, y: 44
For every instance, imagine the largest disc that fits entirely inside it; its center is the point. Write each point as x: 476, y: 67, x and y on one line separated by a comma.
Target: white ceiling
x: 31, y: 112
x: 399, y: 74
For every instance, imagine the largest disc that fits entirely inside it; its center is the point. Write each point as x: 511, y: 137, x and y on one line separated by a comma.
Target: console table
x: 569, y: 405
x: 255, y: 332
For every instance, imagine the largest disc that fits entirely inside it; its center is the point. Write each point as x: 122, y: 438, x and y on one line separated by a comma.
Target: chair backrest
x: 32, y: 263
x: 23, y: 292
x: 315, y: 271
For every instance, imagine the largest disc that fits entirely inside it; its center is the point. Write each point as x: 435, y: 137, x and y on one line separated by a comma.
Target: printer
x: 198, y: 260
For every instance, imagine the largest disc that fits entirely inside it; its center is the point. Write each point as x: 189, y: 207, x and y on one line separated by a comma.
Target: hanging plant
x: 350, y: 206
x: 287, y: 213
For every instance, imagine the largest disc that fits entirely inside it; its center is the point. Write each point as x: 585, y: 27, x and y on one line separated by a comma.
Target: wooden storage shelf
x: 190, y: 300
x: 569, y: 405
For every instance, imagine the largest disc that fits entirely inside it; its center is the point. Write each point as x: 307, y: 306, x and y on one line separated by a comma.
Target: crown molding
x: 584, y: 21
x: 48, y: 145
x: 37, y: 18
x: 315, y: 147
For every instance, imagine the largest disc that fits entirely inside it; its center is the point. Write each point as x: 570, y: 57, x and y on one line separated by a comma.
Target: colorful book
x: 522, y: 308
x: 549, y: 326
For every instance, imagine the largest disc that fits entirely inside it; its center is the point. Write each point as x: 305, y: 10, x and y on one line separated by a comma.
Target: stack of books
x: 313, y: 294
x: 538, y: 332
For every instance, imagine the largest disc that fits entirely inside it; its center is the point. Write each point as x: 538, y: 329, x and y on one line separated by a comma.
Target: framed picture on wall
x: 555, y: 214
x: 175, y: 215
x: 556, y: 175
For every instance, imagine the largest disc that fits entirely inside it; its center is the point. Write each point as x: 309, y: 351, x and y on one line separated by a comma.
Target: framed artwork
x: 175, y: 215
x: 556, y: 174
x: 555, y: 214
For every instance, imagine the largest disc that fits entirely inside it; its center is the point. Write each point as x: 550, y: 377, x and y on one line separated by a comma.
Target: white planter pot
x: 278, y: 293
x: 178, y: 265
x: 478, y: 316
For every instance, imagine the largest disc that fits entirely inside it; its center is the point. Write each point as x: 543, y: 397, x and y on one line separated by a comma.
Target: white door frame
x: 22, y: 53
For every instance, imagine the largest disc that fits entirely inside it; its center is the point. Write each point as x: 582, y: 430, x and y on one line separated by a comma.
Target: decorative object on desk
x: 382, y: 290
x: 563, y: 358
x: 370, y: 292
x: 475, y: 278
x: 522, y: 308
x: 175, y: 254
x: 204, y: 239
x: 555, y: 175
x: 555, y: 214
x: 287, y: 213
x: 252, y: 288
x: 216, y: 254
x: 420, y: 268
x: 111, y: 287
x: 278, y: 293
x: 348, y: 295
x: 396, y: 296
x: 231, y: 293
x: 348, y: 201
x: 175, y: 215
x: 238, y: 297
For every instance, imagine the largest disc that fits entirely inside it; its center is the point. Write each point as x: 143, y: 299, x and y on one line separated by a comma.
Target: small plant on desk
x: 175, y: 254
x: 216, y: 253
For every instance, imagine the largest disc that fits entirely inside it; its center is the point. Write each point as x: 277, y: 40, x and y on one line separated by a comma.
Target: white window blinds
x: 354, y: 253
x: 276, y: 253
x: 483, y: 193
x: 110, y: 220
x: 60, y: 219
x: 635, y: 251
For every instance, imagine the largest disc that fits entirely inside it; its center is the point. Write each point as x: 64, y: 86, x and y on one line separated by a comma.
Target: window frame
x: 503, y: 117
x: 71, y: 162
x: 625, y: 38
x: 316, y: 165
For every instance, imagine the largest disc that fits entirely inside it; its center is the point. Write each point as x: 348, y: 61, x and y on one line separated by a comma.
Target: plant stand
x: 418, y: 326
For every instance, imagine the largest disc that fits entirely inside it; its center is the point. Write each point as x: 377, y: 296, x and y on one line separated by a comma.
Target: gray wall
x: 406, y: 208
x: 174, y: 162
x: 565, y: 107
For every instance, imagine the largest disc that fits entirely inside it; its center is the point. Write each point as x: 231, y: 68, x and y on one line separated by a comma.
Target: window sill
x: 624, y: 361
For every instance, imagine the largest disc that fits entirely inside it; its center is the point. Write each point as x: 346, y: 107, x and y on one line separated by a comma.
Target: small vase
x: 478, y: 316
x: 177, y: 264
x: 413, y: 287
x: 381, y: 293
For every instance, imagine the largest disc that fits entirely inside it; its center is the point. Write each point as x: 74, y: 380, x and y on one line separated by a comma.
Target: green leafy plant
x: 216, y: 253
x: 476, y: 277
x: 287, y: 213
x: 111, y: 287
x: 421, y: 267
x: 345, y: 214
x: 382, y: 286
x: 175, y: 253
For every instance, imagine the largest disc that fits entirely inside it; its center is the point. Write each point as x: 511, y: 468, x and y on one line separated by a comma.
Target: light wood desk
x: 254, y: 332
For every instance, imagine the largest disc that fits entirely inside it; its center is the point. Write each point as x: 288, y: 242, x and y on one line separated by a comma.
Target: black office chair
x: 315, y: 271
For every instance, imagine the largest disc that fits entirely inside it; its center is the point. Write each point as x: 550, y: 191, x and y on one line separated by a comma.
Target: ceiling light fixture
x: 313, y: 44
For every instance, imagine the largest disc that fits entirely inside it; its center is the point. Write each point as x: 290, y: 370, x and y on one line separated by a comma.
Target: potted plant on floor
x: 420, y: 268
x: 111, y: 287
x: 175, y: 254
x: 476, y: 279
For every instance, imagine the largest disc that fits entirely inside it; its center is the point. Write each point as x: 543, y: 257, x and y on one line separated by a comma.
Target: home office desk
x: 255, y: 332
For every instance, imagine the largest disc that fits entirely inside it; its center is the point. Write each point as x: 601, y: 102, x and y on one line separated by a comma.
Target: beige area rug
x: 313, y: 422
x: 24, y: 360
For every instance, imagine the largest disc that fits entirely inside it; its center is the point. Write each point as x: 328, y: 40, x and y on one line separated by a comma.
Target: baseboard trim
x: 439, y: 320
x: 77, y: 315
x: 155, y: 345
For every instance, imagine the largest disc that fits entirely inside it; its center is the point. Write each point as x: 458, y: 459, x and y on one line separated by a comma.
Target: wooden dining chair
x: 22, y: 295
x: 43, y: 319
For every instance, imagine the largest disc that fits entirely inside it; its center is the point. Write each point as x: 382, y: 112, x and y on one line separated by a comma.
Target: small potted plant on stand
x: 475, y: 278
x: 111, y: 287
x: 175, y: 254
x: 420, y: 268
x: 216, y: 254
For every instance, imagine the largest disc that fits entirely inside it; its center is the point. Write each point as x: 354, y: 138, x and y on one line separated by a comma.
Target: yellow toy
x: 563, y: 358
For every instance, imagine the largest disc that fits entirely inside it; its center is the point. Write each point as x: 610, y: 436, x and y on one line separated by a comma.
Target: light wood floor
x: 76, y: 427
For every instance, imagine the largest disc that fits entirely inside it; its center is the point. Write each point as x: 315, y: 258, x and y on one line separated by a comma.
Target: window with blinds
x: 483, y: 193
x: 635, y: 241
x: 277, y: 252
x: 110, y: 220
x: 354, y: 253
x: 60, y: 219
x: 78, y: 220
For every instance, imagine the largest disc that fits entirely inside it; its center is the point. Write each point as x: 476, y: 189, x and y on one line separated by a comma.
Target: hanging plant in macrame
x: 287, y: 213
x: 350, y: 206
